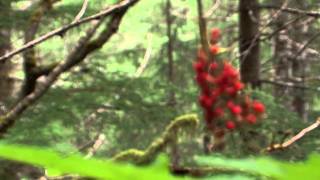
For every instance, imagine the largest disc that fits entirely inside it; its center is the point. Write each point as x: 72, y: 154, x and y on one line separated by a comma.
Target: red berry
x: 199, y: 66
x: 205, y: 101
x: 222, y: 80
x: 251, y: 118
x: 229, y: 71
x: 238, y: 86
x: 214, y: 49
x: 210, y: 79
x: 258, y: 107
x: 230, y: 104
x: 230, y: 125
x: 215, y: 93
x: 201, y: 78
x: 236, y: 110
x: 231, y: 91
x: 215, y: 35
x: 213, y: 66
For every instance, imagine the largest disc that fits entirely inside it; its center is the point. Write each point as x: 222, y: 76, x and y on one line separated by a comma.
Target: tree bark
x: 249, y: 42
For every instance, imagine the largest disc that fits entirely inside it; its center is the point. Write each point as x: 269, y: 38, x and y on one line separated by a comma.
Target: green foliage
x: 75, y: 164
x: 263, y: 168
x: 267, y: 168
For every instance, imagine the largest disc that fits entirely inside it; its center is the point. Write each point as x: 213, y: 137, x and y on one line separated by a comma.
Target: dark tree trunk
x: 249, y: 42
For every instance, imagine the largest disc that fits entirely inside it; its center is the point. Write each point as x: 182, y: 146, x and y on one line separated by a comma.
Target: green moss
x: 168, y: 137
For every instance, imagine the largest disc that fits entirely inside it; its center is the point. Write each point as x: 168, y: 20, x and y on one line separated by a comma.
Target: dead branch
x: 295, y: 138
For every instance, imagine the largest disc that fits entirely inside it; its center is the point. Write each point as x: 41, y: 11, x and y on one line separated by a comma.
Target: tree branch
x: 288, y: 84
x: 315, y: 14
x: 60, y: 31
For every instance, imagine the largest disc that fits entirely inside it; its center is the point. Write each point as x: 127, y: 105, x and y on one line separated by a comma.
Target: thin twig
x: 82, y: 11
x: 146, y: 58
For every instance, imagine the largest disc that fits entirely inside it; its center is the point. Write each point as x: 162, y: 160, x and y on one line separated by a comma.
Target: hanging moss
x: 168, y: 138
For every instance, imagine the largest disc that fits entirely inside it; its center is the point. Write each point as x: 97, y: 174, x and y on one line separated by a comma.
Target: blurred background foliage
x: 103, y: 95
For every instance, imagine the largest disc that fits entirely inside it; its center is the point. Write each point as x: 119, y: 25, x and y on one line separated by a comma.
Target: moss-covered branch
x: 168, y: 137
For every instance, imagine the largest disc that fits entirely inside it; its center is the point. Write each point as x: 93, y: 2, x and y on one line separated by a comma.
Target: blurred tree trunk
x: 281, y: 53
x: 249, y: 42
x: 6, y: 83
x: 172, y: 100
x: 300, y: 67
x: 169, y: 21
x: 289, y: 66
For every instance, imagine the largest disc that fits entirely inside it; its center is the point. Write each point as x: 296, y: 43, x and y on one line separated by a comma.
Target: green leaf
x: 262, y: 166
x: 268, y: 167
x: 76, y: 164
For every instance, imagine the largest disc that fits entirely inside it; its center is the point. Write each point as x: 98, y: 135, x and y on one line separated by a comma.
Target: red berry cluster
x: 221, y: 97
